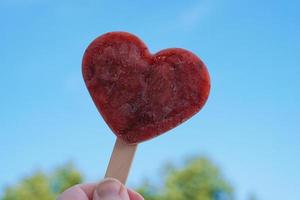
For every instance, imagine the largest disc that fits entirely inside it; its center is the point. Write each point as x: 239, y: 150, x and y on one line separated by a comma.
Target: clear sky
x: 249, y: 126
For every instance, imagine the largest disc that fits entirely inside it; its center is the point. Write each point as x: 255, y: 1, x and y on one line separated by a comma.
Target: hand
x: 108, y: 189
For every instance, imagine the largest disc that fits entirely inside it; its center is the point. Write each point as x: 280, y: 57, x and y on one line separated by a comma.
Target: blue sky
x: 249, y: 126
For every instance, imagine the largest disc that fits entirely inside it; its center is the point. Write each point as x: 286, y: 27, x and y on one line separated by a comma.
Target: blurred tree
x: 149, y: 192
x: 65, y: 177
x: 198, y: 179
x: 42, y: 187
x: 35, y: 187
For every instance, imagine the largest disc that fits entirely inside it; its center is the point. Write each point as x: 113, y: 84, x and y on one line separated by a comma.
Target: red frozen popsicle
x: 142, y: 95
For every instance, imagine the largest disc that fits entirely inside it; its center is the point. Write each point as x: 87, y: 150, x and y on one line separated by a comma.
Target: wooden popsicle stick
x: 120, y: 161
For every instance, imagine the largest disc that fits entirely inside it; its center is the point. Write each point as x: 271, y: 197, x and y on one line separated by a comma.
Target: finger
x: 73, y: 193
x: 110, y: 189
x: 88, y: 188
x: 133, y: 195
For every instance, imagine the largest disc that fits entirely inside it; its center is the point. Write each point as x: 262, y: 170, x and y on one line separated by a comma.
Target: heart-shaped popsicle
x: 142, y: 95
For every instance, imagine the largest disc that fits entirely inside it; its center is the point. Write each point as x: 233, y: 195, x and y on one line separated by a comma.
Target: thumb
x: 110, y: 189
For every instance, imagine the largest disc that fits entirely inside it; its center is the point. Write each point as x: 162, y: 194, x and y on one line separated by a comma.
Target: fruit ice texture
x: 142, y: 95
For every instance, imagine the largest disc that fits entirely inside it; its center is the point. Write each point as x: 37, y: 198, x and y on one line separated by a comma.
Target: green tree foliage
x: 65, y: 177
x: 42, y: 187
x: 149, y: 192
x: 198, y: 179
x: 35, y: 187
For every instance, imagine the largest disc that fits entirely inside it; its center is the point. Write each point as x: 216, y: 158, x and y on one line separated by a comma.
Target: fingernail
x: 108, y: 188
